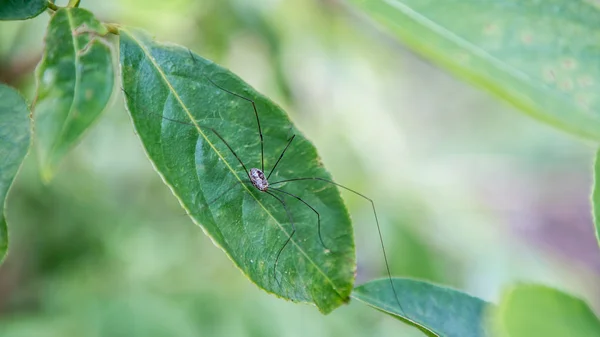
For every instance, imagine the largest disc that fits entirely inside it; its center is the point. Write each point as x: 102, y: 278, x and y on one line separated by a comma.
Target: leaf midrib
x: 77, y: 83
x: 377, y: 304
x: 197, y: 126
x: 479, y: 52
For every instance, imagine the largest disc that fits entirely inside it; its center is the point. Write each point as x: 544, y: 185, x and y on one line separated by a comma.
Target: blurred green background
x: 472, y: 193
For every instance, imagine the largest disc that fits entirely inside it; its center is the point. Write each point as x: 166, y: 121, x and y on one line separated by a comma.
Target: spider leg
x: 262, y: 142
x: 289, y: 237
x: 313, y: 209
x: 387, y: 266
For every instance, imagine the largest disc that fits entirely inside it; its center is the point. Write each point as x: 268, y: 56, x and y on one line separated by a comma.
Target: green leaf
x: 21, y: 9
x: 174, y: 100
x: 75, y: 80
x: 533, y: 310
x: 14, y: 143
x: 541, y: 56
x: 596, y: 196
x: 436, y: 310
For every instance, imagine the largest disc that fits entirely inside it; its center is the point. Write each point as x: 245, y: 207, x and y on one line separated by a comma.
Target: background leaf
x: 250, y: 226
x: 539, y: 55
x: 533, y: 310
x: 14, y: 144
x: 596, y: 196
x: 21, y: 9
x: 436, y: 310
x: 75, y: 80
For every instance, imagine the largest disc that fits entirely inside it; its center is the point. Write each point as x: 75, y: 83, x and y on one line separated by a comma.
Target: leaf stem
x: 112, y: 28
x: 52, y: 6
x: 73, y: 3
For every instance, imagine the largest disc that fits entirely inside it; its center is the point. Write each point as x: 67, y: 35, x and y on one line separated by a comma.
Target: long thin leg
x: 213, y: 130
x: 236, y: 184
x: 312, y: 208
x: 289, y: 237
x: 281, y: 156
x: 230, y: 149
x: 387, y: 265
x: 262, y: 143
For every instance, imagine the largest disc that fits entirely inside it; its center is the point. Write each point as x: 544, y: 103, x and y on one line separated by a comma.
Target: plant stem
x: 52, y: 6
x: 73, y: 3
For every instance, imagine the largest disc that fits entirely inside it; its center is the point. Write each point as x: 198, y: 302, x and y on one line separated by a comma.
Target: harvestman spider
x: 260, y: 182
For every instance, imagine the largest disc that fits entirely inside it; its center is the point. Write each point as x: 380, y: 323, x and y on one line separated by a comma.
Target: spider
x: 260, y: 181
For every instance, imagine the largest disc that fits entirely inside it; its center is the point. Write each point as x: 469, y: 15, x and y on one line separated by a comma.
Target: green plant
x: 75, y: 80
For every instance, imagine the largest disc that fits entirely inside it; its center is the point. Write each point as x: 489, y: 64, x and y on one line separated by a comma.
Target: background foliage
x: 472, y: 194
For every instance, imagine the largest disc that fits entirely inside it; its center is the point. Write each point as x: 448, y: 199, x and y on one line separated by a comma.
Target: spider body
x: 258, y: 179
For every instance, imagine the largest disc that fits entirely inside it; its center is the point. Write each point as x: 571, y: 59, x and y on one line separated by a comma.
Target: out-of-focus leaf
x: 75, y: 80
x: 14, y: 143
x: 21, y: 9
x: 539, y: 55
x: 436, y: 310
x: 533, y: 310
x: 174, y: 101
x: 596, y: 196
x: 413, y: 254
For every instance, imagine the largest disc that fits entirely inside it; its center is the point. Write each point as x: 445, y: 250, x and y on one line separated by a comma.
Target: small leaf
x: 596, y: 196
x: 539, y: 55
x: 533, y: 310
x: 436, y: 310
x: 75, y: 80
x: 21, y: 9
x: 14, y: 143
x: 175, y: 100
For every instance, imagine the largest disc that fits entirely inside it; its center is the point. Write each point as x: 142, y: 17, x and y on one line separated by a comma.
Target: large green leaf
x: 14, y: 144
x: 533, y: 310
x: 539, y: 55
x: 596, y: 196
x: 436, y: 310
x: 174, y: 100
x: 75, y: 80
x: 21, y: 9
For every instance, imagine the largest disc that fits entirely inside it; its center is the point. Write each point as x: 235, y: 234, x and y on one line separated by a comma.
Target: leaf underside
x: 14, y: 144
x: 539, y: 55
x: 533, y: 310
x: 436, y: 310
x: 75, y: 80
x: 174, y: 105
x: 21, y: 9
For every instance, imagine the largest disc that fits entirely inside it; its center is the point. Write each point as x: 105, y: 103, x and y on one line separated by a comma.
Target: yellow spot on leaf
x: 527, y: 38
x: 491, y: 29
x: 569, y: 63
x: 585, y: 81
x: 566, y: 85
